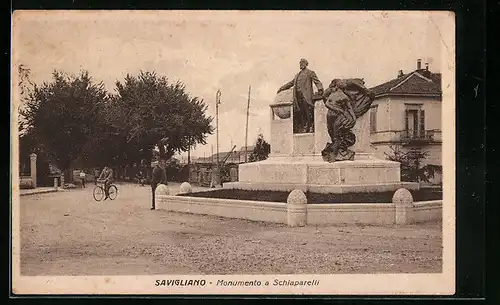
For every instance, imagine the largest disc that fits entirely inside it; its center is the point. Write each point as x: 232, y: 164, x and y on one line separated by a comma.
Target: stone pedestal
x: 321, y: 136
x: 312, y: 174
x: 33, y: 169
x: 295, y: 161
x: 285, y: 143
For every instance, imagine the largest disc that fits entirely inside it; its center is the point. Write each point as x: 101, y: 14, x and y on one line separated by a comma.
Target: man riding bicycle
x: 106, y: 177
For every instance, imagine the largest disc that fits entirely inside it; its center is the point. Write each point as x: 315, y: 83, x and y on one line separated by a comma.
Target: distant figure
x: 140, y: 178
x: 159, y: 176
x: 215, y: 178
x: 96, y: 175
x: 107, y: 178
x: 82, y: 178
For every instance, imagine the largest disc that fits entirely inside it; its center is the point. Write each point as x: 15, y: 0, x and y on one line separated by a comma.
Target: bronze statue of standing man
x: 303, y: 103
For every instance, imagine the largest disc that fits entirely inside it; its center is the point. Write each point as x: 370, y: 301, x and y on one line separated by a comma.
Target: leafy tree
x: 62, y: 115
x: 108, y: 146
x: 26, y: 87
x: 411, y: 164
x: 157, y: 114
x: 27, y: 139
x: 261, y: 150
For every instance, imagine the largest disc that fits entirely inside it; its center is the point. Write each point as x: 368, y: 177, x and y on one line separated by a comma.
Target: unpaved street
x: 68, y: 233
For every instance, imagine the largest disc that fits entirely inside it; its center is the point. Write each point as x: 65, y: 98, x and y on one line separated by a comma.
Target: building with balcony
x: 406, y: 113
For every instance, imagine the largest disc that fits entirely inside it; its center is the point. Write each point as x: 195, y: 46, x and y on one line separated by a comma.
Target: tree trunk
x: 162, y: 151
x: 68, y: 175
x: 68, y: 172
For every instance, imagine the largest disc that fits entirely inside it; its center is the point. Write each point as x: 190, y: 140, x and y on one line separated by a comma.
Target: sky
x: 229, y: 51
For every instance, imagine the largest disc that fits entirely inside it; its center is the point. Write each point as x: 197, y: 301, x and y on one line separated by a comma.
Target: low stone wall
x: 25, y: 182
x: 427, y: 210
x: 298, y: 213
x: 251, y: 210
x: 354, y: 213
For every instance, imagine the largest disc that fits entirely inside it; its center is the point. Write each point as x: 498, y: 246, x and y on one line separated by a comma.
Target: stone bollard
x: 55, y: 183
x: 403, y: 200
x: 33, y: 169
x: 185, y: 188
x: 296, y: 209
x: 162, y: 189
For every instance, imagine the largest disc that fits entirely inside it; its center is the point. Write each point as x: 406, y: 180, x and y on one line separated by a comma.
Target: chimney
x: 419, y: 64
x: 426, y: 72
x: 400, y: 73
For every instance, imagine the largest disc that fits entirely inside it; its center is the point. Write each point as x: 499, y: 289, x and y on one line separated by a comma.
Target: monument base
x: 310, y: 173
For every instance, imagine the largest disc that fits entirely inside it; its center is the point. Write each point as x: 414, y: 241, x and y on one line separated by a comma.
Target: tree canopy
x: 156, y: 113
x: 75, y: 119
x: 61, y: 114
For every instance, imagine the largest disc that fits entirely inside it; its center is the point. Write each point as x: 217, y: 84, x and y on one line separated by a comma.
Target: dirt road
x: 67, y: 233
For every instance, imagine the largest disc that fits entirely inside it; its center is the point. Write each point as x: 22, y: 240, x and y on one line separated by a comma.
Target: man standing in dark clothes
x: 159, y: 176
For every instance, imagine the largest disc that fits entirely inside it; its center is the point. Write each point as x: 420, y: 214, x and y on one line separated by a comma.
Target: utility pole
x: 217, y: 102
x: 189, y: 154
x: 246, y: 133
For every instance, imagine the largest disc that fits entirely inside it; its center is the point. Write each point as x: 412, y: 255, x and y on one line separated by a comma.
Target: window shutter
x: 373, y: 122
x: 422, y: 123
x: 407, y: 117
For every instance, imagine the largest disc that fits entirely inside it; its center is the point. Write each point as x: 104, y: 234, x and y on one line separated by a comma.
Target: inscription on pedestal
x: 303, y: 144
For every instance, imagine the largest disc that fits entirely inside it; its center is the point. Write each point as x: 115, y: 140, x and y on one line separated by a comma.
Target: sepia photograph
x: 233, y: 152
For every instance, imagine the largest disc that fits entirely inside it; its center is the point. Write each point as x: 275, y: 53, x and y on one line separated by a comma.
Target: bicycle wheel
x: 98, y: 193
x: 112, y: 192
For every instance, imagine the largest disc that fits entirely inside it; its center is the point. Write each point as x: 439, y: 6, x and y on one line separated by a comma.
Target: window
x: 414, y: 121
x: 373, y: 119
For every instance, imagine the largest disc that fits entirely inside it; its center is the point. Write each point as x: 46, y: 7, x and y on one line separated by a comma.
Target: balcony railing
x: 406, y: 136
x: 411, y: 136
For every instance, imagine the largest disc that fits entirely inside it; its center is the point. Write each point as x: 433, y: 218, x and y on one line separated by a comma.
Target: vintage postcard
x: 233, y: 152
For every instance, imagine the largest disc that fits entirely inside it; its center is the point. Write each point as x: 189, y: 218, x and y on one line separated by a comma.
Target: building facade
x: 406, y: 114
x: 200, y: 171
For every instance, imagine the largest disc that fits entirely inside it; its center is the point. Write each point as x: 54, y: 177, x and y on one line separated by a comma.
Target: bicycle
x: 99, y: 192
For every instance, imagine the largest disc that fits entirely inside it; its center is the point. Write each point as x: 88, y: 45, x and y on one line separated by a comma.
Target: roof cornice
x: 385, y: 94
x: 415, y: 73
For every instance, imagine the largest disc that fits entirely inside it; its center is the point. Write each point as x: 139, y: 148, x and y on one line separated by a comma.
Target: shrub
x: 411, y: 169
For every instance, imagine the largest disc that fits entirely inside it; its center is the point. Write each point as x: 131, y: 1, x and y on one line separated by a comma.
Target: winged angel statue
x: 346, y: 100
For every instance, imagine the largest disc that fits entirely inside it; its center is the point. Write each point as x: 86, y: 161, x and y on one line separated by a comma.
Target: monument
x: 328, y: 158
x: 302, y: 96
